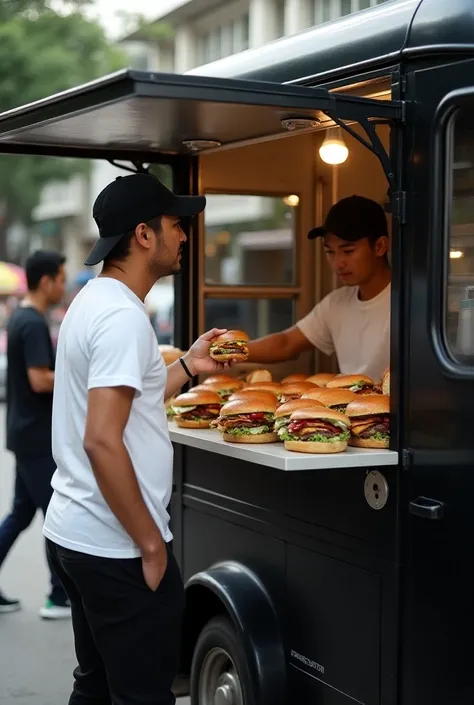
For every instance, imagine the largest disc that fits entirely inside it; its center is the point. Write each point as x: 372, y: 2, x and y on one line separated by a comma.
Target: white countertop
x: 275, y: 456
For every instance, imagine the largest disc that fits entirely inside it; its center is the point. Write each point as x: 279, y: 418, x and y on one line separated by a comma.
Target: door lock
x: 376, y: 489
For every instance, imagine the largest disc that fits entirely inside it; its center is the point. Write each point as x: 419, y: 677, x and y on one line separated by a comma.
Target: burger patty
x: 201, y: 412
x: 232, y: 347
x: 314, y: 427
x: 245, y: 421
x: 367, y: 426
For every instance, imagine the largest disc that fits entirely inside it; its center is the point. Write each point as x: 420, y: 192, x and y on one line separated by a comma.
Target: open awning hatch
x: 133, y: 113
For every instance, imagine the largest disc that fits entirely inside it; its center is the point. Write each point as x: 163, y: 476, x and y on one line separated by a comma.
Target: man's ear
x: 381, y: 246
x: 141, y: 234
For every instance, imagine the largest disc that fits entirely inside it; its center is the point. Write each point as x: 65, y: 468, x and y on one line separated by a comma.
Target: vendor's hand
x: 197, y: 358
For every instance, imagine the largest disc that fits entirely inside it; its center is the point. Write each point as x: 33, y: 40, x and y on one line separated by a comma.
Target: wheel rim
x: 219, y: 683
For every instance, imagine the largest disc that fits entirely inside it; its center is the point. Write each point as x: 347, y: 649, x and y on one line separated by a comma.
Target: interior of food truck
x: 257, y: 269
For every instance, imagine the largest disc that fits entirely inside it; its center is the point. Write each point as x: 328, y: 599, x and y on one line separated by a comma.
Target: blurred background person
x: 30, y: 380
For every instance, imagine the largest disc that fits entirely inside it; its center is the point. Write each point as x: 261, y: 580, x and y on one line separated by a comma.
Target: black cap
x: 134, y: 199
x: 352, y: 219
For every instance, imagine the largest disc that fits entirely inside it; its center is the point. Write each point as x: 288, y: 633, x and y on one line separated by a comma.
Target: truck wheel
x: 219, y: 672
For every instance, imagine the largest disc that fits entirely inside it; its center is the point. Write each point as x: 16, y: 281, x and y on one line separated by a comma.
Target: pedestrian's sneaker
x: 7, y: 605
x: 51, y: 610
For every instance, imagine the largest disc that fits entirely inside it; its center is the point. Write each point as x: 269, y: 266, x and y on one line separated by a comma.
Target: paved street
x: 37, y: 657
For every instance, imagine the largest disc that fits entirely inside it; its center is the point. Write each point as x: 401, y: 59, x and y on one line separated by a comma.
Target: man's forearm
x: 272, y: 348
x: 177, y: 377
x: 117, y: 481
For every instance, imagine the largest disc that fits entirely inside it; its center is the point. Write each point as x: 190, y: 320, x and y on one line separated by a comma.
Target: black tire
x: 219, y: 634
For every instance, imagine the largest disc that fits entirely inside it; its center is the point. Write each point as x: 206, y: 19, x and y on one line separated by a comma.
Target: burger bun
x: 259, y: 376
x: 316, y: 447
x: 249, y: 438
x: 182, y: 423
x: 368, y: 443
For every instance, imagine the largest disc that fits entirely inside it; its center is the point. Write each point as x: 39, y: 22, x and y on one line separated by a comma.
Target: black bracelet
x: 185, y: 368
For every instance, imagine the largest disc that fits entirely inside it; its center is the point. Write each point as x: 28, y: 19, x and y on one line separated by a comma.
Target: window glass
x: 250, y: 240
x: 460, y: 294
x: 327, y: 10
x: 255, y: 316
x: 364, y: 4
x: 346, y: 7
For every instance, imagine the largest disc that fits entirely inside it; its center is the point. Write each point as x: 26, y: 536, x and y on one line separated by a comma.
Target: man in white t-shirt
x: 354, y: 320
x: 107, y: 523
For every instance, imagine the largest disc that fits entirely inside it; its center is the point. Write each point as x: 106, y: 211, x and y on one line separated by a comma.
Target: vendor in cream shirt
x: 354, y: 320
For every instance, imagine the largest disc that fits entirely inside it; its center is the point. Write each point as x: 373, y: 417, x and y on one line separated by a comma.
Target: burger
x: 169, y: 406
x: 245, y: 393
x: 370, y: 421
x: 170, y: 354
x: 273, y: 387
x: 294, y: 378
x: 295, y: 390
x: 196, y: 409
x: 314, y: 393
x: 231, y: 345
x: 359, y: 384
x: 317, y: 431
x: 284, y: 411
x: 218, y: 378
x: 336, y: 399
x: 386, y: 383
x: 225, y: 388
x: 321, y: 379
x: 259, y: 376
x: 248, y: 420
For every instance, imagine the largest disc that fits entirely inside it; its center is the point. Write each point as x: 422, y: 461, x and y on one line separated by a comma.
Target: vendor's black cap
x: 134, y: 199
x: 352, y: 219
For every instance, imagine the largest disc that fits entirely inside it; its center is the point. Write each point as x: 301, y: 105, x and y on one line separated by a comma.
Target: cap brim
x: 317, y: 232
x: 186, y: 206
x: 101, y: 249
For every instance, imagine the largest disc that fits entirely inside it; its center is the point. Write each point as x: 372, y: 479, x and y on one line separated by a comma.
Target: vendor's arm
x: 197, y: 361
x: 311, y: 331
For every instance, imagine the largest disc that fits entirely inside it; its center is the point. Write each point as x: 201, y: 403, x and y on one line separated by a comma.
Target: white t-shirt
x: 357, y: 331
x: 106, y: 340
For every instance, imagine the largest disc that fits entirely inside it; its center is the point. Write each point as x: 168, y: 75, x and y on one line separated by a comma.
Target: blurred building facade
x: 193, y: 33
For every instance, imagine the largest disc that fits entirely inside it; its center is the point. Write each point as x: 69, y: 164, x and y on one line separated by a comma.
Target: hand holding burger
x: 199, y: 358
x: 230, y: 345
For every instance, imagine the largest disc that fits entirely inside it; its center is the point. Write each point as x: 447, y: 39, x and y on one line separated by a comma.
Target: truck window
x: 249, y: 277
x: 459, y: 307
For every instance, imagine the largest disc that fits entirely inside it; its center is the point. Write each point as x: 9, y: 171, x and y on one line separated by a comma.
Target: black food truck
x: 317, y: 579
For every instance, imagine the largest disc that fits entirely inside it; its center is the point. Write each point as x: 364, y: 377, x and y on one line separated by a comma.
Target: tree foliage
x: 43, y: 51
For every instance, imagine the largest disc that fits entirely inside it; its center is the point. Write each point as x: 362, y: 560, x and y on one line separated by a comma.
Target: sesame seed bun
x: 369, y: 405
x: 289, y: 407
x: 250, y: 405
x: 347, y: 381
x: 248, y: 438
x: 315, y: 447
x: 321, y: 379
x: 259, y: 376
x: 294, y: 378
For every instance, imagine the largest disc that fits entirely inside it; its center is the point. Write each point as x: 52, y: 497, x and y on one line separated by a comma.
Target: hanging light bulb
x: 334, y: 150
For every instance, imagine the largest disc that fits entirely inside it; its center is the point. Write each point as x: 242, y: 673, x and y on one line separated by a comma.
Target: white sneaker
x: 52, y: 611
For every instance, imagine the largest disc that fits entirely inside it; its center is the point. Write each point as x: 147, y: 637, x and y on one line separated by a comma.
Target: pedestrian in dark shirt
x: 30, y: 379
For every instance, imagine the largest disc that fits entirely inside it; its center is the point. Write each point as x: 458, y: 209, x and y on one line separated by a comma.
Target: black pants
x: 127, y: 637
x: 32, y: 492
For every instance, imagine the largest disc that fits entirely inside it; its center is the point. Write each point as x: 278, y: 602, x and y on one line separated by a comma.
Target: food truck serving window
x: 459, y: 301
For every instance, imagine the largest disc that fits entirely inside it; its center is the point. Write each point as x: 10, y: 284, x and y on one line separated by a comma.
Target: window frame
x: 292, y: 292
x: 441, y: 192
